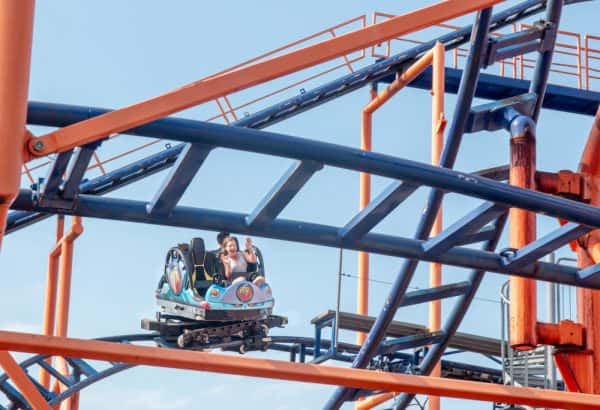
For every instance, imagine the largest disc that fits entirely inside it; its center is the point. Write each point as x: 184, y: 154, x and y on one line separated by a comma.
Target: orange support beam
x: 362, y: 303
x: 437, y: 142
x: 16, y: 31
x: 21, y: 380
x: 274, y: 369
x: 376, y: 102
x: 375, y: 400
x: 523, y: 295
x: 216, y: 86
x: 50, y: 300
x: 588, y: 253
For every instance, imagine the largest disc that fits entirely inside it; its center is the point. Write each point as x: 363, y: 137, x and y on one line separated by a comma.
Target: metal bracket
x: 497, y: 115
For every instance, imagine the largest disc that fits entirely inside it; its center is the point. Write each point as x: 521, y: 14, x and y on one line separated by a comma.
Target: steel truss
x: 64, y: 191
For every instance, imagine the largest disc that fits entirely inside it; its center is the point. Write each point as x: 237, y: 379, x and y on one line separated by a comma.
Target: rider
x: 236, y: 262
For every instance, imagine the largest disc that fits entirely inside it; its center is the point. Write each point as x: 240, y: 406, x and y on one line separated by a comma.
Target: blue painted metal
x: 410, y: 342
x: 590, y: 276
x: 377, y: 210
x: 493, y: 87
x: 513, y: 44
x: 496, y: 115
x: 74, y: 176
x: 485, y: 234
x: 543, y: 64
x: 464, y: 101
x: 180, y: 176
x: 543, y: 246
x: 451, y: 325
x: 306, y: 232
x: 470, y: 223
x: 378, y: 164
x: 438, y: 293
x: 53, y: 180
x: 283, y: 192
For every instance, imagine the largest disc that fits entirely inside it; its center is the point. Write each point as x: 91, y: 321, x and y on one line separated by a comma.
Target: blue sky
x: 114, y: 53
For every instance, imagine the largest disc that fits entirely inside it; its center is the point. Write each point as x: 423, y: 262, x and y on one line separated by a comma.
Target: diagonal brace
x: 20, y: 378
x: 180, y: 176
x: 470, y: 223
x: 376, y: 210
x: 543, y: 246
x: 283, y: 192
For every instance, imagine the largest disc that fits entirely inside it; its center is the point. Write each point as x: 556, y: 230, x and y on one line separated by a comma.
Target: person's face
x: 231, y: 247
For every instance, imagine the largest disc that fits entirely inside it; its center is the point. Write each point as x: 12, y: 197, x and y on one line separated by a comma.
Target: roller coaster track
x: 484, y: 224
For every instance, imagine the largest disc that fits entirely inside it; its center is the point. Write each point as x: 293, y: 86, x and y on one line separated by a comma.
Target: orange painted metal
x: 564, y: 334
x: 23, y: 383
x: 377, y: 100
x: 16, y: 31
x: 573, y: 366
x: 266, y: 368
x: 50, y: 299
x: 375, y: 400
x: 437, y: 142
x: 216, y: 86
x: 362, y: 303
x: 400, y: 82
x: 523, y: 295
x: 588, y: 253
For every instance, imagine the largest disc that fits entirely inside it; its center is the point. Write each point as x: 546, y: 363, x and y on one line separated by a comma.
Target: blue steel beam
x: 180, y: 176
x: 74, y: 176
x: 437, y: 293
x: 305, y: 232
x: 53, y: 180
x: 590, y: 276
x: 484, y: 234
x: 434, y: 355
x: 410, y: 342
x: 283, y: 192
x: 493, y: 87
x: 543, y: 64
x: 413, y: 172
x: 495, y: 115
x: 59, y: 115
x: 377, y: 210
x: 514, y: 44
x: 543, y: 246
x: 468, y: 224
x: 465, y: 97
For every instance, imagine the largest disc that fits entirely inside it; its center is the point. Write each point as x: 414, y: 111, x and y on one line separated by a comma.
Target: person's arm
x: 249, y: 255
x: 226, y: 266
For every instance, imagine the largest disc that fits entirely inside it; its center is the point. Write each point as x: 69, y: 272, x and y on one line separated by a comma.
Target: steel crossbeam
x: 283, y: 192
x: 180, y: 176
x: 81, y: 160
x: 543, y: 246
x: 469, y: 224
x: 376, y: 210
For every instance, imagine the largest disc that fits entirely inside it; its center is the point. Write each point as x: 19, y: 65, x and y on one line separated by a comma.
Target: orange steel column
x: 362, y: 303
x: 19, y: 378
x: 437, y: 143
x: 64, y: 293
x: 377, y: 100
x: 16, y: 30
x: 588, y: 301
x: 523, y: 296
x: 50, y: 301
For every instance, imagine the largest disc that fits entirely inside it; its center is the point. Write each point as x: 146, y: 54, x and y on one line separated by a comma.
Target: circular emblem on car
x: 244, y: 293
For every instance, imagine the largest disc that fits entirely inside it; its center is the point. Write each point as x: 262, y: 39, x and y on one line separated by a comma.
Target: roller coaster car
x: 193, y: 287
